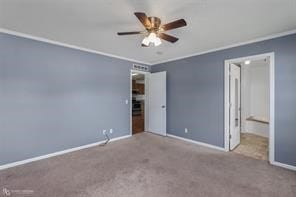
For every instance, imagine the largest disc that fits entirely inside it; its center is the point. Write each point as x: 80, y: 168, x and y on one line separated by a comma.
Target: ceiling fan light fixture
x: 157, y: 41
x: 152, y: 37
x: 146, y: 41
x: 155, y: 29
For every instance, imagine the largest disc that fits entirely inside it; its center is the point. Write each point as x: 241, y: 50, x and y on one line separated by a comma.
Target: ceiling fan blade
x: 144, y: 19
x: 168, y: 38
x: 129, y: 33
x: 173, y: 25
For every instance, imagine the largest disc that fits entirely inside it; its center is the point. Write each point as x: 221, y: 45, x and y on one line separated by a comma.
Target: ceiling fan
x: 154, y: 30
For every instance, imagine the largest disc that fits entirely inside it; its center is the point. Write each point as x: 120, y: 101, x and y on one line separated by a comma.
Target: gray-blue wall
x: 54, y: 98
x: 195, y: 94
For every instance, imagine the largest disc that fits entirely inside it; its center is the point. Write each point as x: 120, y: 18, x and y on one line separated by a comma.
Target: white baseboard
x: 196, y: 142
x: 275, y: 163
x: 10, y: 165
x: 279, y: 164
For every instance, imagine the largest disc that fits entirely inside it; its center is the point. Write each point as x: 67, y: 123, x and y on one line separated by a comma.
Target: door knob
x: 163, y: 106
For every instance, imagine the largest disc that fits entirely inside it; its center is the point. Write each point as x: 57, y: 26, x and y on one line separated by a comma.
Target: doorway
x: 249, y: 106
x: 148, y: 102
x: 138, y: 102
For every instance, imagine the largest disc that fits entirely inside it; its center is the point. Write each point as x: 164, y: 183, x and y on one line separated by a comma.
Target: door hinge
x: 230, y: 136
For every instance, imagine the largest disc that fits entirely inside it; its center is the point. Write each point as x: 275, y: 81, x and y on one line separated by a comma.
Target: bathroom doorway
x: 249, y: 108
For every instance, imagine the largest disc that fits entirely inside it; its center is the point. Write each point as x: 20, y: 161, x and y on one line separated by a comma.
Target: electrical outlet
x: 186, y: 130
x: 111, y: 131
x: 104, y: 132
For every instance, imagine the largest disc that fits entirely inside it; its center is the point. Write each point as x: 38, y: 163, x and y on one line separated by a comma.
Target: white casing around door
x: 157, y: 103
x: 235, y: 105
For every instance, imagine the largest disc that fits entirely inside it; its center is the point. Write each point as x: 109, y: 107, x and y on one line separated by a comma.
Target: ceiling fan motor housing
x: 155, y: 24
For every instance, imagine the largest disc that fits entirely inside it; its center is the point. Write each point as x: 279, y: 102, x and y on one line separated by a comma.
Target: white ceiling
x: 93, y: 24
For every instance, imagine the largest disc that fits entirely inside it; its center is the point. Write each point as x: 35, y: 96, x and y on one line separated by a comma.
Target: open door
x: 235, y: 106
x: 157, y: 103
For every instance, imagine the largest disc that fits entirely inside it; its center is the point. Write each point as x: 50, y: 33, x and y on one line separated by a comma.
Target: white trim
x: 146, y: 118
x: 10, y: 165
x: 19, y: 34
x: 227, y: 47
x: 153, y: 133
x: 226, y: 106
x: 197, y: 142
x: 275, y: 163
x: 279, y: 164
x: 271, y: 107
x: 28, y: 36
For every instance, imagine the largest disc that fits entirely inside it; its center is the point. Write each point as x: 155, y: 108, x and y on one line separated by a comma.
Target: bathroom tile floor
x: 254, y: 146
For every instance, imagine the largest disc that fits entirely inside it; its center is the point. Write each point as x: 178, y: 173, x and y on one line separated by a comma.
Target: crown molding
x: 29, y: 36
x: 228, y: 46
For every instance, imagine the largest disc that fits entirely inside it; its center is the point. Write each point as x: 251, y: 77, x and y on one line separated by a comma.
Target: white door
x: 235, y: 105
x: 157, y: 103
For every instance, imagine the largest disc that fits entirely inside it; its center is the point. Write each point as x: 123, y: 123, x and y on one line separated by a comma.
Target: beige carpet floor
x: 254, y: 146
x: 147, y: 165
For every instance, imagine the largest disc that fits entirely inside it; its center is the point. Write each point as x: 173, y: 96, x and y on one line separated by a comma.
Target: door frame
x: 271, y: 100
x: 147, y: 76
